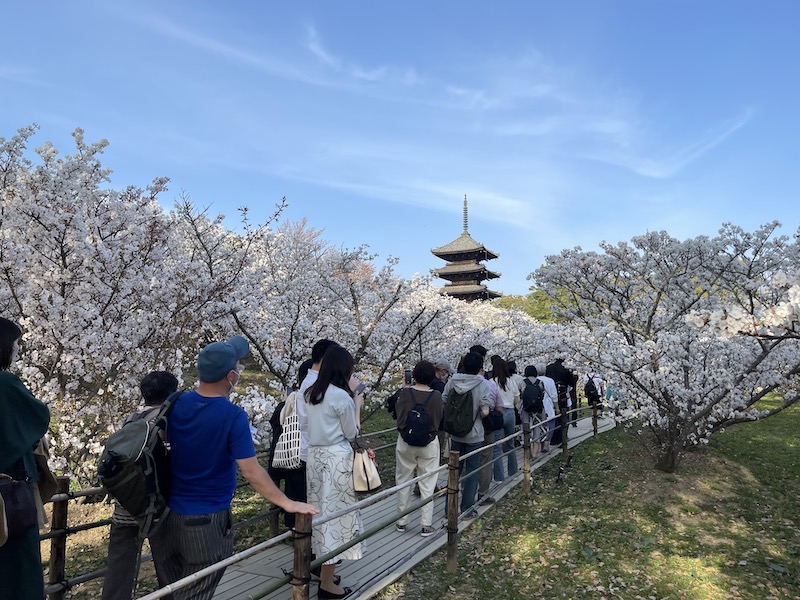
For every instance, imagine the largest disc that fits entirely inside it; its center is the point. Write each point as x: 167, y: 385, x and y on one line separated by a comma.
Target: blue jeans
x: 497, y: 467
x: 509, y: 426
x: 470, y: 466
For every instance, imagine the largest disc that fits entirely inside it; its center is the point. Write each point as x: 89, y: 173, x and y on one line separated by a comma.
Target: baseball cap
x: 443, y: 365
x: 218, y: 359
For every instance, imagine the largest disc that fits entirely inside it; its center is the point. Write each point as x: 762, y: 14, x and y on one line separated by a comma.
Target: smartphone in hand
x: 407, y: 377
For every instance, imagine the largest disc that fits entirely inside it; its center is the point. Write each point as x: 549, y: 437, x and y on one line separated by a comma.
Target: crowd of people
x: 501, y: 389
x: 210, y: 438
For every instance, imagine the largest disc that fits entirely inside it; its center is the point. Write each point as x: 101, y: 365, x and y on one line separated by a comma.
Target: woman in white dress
x: 333, y: 422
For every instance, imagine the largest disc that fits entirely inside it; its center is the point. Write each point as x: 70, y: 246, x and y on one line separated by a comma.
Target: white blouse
x: 333, y: 420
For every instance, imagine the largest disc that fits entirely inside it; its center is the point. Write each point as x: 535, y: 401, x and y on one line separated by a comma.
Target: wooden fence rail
x: 58, y: 584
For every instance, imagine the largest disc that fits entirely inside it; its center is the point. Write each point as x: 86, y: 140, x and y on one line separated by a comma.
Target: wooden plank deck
x: 389, y: 554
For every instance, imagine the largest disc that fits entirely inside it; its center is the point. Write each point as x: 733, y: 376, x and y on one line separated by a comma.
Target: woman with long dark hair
x: 23, y: 423
x: 509, y: 396
x: 334, y: 420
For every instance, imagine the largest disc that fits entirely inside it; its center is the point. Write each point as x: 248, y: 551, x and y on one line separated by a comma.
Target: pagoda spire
x: 466, y: 219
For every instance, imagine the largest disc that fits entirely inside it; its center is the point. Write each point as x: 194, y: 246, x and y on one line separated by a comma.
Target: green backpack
x: 458, y: 417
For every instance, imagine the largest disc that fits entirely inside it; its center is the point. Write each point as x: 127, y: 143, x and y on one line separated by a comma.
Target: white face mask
x: 238, y: 376
x: 15, y: 351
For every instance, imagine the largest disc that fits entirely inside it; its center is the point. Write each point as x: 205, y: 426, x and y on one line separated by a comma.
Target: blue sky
x: 564, y: 123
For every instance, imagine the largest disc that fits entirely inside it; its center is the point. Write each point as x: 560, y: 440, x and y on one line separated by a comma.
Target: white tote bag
x: 287, y: 450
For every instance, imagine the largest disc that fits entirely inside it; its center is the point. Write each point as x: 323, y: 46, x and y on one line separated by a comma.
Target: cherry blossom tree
x: 649, y: 310
x: 105, y: 285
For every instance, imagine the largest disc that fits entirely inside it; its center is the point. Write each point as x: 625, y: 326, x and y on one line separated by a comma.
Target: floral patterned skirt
x: 329, y: 479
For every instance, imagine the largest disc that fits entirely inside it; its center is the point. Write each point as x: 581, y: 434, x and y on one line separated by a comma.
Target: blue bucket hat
x: 218, y: 359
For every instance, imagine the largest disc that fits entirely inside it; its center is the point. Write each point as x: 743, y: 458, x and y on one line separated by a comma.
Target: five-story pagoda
x: 464, y: 270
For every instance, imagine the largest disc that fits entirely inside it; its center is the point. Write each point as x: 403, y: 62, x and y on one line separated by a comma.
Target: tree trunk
x: 667, y: 459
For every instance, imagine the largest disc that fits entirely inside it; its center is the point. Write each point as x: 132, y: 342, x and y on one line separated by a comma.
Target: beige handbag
x: 365, y: 472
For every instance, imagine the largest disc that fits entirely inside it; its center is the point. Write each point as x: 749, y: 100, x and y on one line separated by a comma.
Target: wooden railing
x: 58, y: 584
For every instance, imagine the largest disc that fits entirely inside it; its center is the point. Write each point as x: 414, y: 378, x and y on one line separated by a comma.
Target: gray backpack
x: 135, y: 470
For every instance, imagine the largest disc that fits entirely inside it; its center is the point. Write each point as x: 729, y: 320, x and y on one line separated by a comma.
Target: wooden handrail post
x: 452, y: 512
x: 273, y: 523
x: 58, y: 545
x: 594, y: 418
x: 564, y: 429
x: 301, y: 573
x: 526, y: 458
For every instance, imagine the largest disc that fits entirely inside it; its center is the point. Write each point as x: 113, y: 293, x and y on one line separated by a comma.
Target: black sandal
x: 326, y: 595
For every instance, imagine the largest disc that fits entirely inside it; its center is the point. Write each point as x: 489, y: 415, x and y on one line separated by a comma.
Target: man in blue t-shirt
x: 210, y: 437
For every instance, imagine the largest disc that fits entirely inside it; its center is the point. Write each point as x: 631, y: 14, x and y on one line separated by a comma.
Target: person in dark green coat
x: 23, y: 421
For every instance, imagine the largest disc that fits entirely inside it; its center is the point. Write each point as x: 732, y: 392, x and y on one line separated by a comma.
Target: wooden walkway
x: 389, y: 554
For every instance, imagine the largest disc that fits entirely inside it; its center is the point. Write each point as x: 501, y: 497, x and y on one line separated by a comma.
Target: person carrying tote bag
x: 334, y: 422
x: 287, y: 450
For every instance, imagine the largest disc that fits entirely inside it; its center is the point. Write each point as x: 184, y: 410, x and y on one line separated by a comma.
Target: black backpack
x: 590, y: 389
x: 533, y: 397
x: 458, y: 415
x: 135, y: 469
x: 418, y: 430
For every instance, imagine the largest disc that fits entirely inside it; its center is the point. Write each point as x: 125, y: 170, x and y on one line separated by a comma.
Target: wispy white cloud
x: 272, y: 65
x: 661, y: 164
x: 315, y: 46
x: 564, y: 112
x: 389, y: 74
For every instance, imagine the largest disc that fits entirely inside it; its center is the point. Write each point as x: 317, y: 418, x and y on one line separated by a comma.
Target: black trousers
x: 123, y: 552
x: 184, y: 544
x: 294, y: 487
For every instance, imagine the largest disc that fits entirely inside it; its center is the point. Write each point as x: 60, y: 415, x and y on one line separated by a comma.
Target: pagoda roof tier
x: 469, y: 292
x: 465, y: 269
x: 466, y: 247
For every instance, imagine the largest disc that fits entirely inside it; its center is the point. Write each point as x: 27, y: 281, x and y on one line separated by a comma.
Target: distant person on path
x: 481, y: 350
x: 515, y: 376
x: 596, y: 391
x: 574, y: 398
x: 124, y: 545
x: 550, y: 404
x: 23, y: 423
x: 520, y: 381
x: 563, y: 380
x: 411, y: 457
x: 443, y: 374
x: 209, y: 437
x: 539, y: 429
x: 509, y: 399
x: 470, y: 381
x: 334, y: 421
x: 489, y: 470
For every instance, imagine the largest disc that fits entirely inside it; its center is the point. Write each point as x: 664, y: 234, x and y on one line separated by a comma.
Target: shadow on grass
x: 615, y: 527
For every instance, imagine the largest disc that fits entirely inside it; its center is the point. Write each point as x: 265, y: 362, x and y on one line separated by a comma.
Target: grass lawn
x: 726, y: 525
